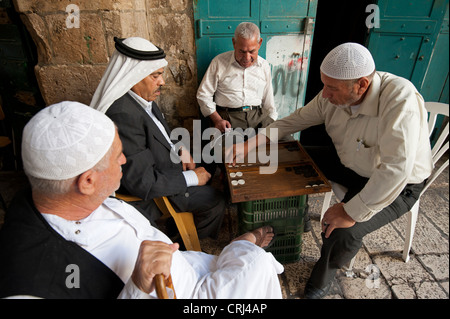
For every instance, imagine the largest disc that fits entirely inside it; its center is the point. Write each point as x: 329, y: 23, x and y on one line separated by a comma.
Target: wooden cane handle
x: 161, y: 283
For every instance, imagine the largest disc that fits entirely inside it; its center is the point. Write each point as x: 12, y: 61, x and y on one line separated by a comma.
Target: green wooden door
x: 405, y: 42
x: 435, y: 83
x: 412, y: 42
x: 286, y: 28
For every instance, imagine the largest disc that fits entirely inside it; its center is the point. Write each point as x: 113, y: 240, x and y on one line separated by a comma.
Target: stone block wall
x: 72, y: 57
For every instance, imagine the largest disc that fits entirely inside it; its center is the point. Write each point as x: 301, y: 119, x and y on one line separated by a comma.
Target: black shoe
x: 312, y: 292
x: 306, y: 223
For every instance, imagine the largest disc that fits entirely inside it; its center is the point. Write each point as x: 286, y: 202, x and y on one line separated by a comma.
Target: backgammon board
x: 293, y: 173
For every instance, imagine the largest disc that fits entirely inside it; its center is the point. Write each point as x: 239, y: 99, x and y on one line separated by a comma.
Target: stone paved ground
x: 425, y: 276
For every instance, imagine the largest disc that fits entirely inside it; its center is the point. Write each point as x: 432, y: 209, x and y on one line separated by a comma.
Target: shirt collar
x: 147, y: 105
x: 370, y: 104
x: 85, y: 232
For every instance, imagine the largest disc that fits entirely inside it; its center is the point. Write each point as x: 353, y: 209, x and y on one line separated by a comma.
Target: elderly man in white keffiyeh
x: 126, y: 94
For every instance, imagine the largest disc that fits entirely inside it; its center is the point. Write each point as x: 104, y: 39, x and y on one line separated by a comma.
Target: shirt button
x: 77, y: 232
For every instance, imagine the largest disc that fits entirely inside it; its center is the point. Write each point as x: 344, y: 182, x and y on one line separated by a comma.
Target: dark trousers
x: 256, y: 118
x: 344, y: 243
x: 207, y: 205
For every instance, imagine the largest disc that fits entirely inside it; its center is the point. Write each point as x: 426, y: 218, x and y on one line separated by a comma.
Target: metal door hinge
x: 309, y: 25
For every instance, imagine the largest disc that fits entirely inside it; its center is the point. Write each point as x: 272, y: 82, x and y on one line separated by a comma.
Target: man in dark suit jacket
x: 126, y: 94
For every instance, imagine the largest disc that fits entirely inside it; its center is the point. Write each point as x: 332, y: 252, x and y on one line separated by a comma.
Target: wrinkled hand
x: 219, y: 122
x: 202, y: 175
x: 239, y: 151
x: 336, y: 217
x: 154, y: 258
x: 222, y: 125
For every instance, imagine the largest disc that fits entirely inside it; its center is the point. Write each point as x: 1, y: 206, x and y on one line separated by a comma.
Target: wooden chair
x: 188, y: 232
x: 434, y: 109
x: 183, y: 220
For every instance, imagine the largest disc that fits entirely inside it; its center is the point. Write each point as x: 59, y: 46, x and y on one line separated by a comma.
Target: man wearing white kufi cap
x: 126, y: 93
x: 66, y: 238
x: 381, y: 152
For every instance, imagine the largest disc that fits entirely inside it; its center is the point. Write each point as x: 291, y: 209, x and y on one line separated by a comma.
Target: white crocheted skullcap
x: 65, y: 140
x: 348, y: 61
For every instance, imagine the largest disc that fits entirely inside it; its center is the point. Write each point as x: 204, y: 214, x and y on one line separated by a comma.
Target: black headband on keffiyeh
x: 138, y: 54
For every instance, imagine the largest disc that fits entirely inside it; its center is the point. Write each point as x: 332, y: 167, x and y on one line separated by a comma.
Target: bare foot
x: 261, y: 237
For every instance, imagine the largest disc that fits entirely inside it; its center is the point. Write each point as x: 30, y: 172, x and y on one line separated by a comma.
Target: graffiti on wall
x: 288, y: 56
x: 286, y: 78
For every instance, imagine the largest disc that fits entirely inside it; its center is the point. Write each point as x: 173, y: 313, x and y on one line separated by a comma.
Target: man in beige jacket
x: 381, y: 152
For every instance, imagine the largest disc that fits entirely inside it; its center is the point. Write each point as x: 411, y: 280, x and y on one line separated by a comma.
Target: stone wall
x: 72, y: 57
x: 171, y: 26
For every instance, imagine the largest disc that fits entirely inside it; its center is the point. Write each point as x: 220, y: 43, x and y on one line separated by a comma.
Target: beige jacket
x: 386, y: 140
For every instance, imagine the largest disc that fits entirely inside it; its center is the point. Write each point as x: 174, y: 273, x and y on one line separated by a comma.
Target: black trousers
x: 344, y: 243
x: 208, y: 207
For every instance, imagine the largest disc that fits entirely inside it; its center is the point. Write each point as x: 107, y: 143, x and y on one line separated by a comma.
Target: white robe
x: 114, y: 232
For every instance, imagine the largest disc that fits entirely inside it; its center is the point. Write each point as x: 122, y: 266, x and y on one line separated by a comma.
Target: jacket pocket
x: 366, y: 160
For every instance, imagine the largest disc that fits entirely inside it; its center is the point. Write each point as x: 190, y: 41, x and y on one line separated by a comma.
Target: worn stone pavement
x: 425, y: 276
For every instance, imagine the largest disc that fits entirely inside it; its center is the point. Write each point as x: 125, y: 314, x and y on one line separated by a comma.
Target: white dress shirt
x: 189, y: 175
x: 228, y: 84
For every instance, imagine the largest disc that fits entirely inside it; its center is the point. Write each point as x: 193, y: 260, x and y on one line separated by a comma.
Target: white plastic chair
x: 434, y: 109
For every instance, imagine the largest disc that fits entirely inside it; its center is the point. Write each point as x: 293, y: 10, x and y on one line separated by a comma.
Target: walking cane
x: 161, y: 287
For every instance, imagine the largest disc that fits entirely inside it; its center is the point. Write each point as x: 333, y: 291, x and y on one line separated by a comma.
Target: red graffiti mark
x: 297, y: 64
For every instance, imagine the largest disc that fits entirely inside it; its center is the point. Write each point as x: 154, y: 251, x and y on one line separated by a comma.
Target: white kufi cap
x: 348, y: 61
x: 65, y: 140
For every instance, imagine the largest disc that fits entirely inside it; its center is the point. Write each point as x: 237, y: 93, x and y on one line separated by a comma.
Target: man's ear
x: 363, y: 85
x: 87, y: 181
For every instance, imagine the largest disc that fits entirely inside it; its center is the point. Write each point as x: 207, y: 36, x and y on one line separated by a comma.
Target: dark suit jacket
x: 149, y: 171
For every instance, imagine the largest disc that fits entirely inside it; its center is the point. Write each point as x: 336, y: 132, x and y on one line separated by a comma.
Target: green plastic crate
x: 275, y: 207
x: 285, y: 215
x: 287, y: 246
x: 259, y: 211
x: 280, y: 227
x: 286, y: 254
